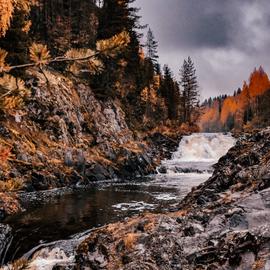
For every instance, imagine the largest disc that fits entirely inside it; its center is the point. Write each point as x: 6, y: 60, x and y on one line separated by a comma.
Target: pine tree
x: 151, y: 50
x: 115, y: 17
x: 190, y: 92
x: 171, y: 93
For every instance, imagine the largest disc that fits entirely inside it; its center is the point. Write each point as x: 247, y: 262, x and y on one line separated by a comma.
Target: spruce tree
x: 190, y: 94
x: 151, y: 50
x: 170, y: 92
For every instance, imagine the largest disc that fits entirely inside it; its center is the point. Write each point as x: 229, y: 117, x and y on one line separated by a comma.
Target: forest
x: 246, y: 109
x: 75, y: 38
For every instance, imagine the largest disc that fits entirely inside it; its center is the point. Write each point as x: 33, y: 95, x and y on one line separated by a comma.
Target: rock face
x: 5, y: 238
x: 66, y: 136
x: 222, y: 224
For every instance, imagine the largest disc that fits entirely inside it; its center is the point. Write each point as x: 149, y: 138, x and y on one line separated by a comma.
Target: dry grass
x: 5, y: 153
x: 9, y: 203
x: 95, y: 154
x: 130, y: 240
x: 237, y: 187
x: 226, y: 198
x: 133, y: 147
x: 259, y: 264
x: 11, y: 185
x: 181, y: 213
x: 18, y: 265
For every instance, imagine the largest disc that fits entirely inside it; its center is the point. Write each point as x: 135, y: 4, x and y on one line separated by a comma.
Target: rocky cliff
x: 67, y: 137
x: 221, y: 224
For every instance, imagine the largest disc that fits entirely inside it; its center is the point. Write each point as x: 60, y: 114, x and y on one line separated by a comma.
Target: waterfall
x: 203, y: 147
x: 198, y: 152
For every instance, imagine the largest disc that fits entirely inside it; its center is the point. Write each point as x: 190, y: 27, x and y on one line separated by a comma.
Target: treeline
x: 55, y: 31
x: 246, y: 108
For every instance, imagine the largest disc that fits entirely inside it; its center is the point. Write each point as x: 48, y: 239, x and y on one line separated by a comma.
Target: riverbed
x: 112, y: 201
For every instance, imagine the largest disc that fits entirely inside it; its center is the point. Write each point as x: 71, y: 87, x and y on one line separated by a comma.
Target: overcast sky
x: 226, y: 39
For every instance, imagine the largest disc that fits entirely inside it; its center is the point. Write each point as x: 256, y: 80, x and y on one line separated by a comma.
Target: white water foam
x: 203, y: 147
x: 198, y: 152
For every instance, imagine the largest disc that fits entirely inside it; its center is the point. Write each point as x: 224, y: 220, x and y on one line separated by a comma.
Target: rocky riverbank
x: 66, y: 137
x: 221, y: 224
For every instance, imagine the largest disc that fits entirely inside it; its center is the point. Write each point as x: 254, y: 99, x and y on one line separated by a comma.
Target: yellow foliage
x: 11, y: 84
x: 85, y: 60
x: 39, y: 54
x: 6, y: 11
x: 7, y: 8
x: 11, y: 185
x: 12, y: 92
x: 149, y: 95
x: 144, y: 94
x: 24, y: 5
x: 12, y: 102
x: 112, y: 46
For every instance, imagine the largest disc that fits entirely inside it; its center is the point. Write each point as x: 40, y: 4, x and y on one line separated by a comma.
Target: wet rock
x: 5, y: 238
x: 189, y: 231
x: 162, y: 169
x: 68, y: 159
x: 96, y: 172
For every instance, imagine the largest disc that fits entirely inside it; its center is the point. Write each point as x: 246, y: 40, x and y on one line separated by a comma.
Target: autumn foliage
x: 226, y: 113
x: 4, y: 154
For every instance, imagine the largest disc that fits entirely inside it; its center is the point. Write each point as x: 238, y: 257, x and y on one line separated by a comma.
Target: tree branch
x: 64, y: 59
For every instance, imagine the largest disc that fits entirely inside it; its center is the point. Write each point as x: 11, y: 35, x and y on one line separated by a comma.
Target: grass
x: 130, y: 240
x: 11, y: 185
x: 19, y: 265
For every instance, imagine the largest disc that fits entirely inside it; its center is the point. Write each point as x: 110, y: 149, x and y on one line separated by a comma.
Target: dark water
x: 81, y: 211
x: 74, y: 213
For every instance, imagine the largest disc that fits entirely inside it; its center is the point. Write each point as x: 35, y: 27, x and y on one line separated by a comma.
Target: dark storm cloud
x: 226, y: 38
x: 210, y: 31
x: 192, y: 23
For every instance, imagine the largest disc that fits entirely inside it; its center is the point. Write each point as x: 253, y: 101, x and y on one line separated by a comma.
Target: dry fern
x: 112, y: 46
x: 39, y: 54
x: 84, y: 61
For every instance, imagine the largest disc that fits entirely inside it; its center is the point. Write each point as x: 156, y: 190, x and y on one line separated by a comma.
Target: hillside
x: 246, y: 108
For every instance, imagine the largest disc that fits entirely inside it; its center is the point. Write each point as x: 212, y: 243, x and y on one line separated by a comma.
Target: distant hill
x: 248, y: 107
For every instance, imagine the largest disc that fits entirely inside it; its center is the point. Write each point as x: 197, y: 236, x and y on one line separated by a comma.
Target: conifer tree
x: 190, y: 92
x: 114, y: 17
x: 170, y: 92
x: 151, y: 49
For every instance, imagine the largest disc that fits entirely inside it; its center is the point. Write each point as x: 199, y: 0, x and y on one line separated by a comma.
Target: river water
x: 108, y: 202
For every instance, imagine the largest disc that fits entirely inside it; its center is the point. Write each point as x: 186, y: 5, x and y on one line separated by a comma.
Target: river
x: 108, y: 202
